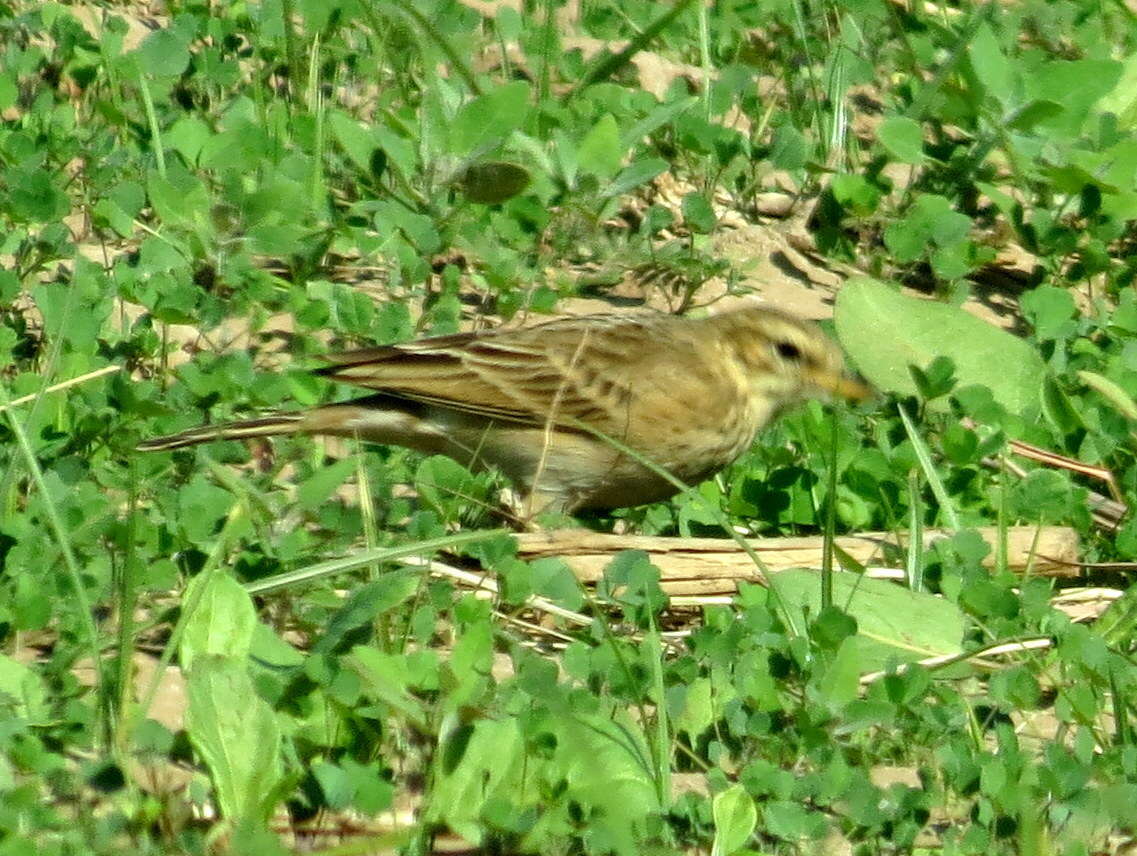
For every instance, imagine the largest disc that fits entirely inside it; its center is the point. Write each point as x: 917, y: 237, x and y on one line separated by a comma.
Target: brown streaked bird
x: 537, y: 403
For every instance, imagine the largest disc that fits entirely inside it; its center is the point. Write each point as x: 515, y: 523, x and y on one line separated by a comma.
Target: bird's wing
x: 568, y: 371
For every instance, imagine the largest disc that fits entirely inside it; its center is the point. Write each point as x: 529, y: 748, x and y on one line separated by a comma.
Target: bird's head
x: 788, y: 359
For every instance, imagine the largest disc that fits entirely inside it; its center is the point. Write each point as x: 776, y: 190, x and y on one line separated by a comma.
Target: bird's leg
x: 522, y: 510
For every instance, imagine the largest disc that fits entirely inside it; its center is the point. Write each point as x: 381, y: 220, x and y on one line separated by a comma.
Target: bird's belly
x: 572, y: 471
x: 568, y: 470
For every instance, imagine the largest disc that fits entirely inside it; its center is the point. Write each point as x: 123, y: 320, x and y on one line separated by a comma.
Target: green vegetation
x: 212, y: 650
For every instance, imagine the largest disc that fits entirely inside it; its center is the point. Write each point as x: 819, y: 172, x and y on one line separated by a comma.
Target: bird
x: 580, y: 413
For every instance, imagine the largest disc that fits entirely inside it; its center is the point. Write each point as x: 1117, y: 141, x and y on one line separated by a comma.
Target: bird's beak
x: 843, y: 386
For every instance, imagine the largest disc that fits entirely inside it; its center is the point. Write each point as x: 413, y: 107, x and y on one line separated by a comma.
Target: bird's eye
x: 788, y: 350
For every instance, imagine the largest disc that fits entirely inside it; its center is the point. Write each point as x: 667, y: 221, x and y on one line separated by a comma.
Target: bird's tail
x: 264, y: 426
